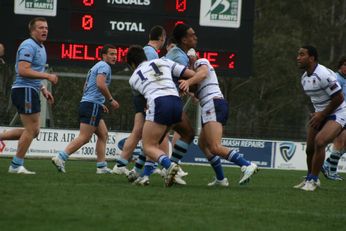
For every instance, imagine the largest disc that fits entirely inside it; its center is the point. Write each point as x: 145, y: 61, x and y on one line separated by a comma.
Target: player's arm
x: 102, y: 86
x: 25, y: 70
x: 335, y: 102
x: 199, y: 76
x: 318, y: 117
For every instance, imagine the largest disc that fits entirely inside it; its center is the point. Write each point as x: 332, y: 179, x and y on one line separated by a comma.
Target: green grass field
x: 82, y: 200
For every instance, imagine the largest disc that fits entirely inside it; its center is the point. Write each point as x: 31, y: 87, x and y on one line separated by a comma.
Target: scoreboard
x: 79, y: 28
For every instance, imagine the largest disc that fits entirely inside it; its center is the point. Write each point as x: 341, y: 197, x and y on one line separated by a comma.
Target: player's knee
x: 188, y: 136
x: 309, y: 151
x: 320, y: 142
x: 137, y: 133
x: 215, y: 148
x: 35, y: 132
x: 103, y: 136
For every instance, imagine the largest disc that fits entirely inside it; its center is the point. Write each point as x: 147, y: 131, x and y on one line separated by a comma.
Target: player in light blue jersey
x: 157, y: 38
x: 30, y: 70
x: 329, y: 117
x: 185, y: 38
x: 329, y: 168
x: 153, y: 80
x: 91, y: 107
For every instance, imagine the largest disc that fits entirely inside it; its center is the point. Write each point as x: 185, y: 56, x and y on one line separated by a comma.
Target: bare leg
x: 328, y: 133
x: 102, y: 136
x: 31, y: 130
x: 13, y: 134
x: 135, y: 136
x: 152, y: 132
x: 212, y: 132
x: 85, y: 133
x: 310, y: 146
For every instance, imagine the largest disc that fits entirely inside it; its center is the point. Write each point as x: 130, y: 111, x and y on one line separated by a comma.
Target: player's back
x: 154, y: 78
x: 150, y: 52
x: 91, y: 92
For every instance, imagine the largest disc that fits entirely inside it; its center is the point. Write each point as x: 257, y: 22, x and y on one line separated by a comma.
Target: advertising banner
x: 257, y: 151
x: 287, y: 155
x: 290, y: 155
x: 50, y: 141
x: 35, y: 7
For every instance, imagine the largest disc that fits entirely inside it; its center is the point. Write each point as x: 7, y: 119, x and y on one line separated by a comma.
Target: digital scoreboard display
x: 80, y: 28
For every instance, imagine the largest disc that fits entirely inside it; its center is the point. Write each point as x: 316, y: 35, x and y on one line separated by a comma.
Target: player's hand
x: 115, y: 104
x: 184, y: 85
x: 105, y: 108
x: 316, y: 119
x: 48, y: 95
x: 53, y: 78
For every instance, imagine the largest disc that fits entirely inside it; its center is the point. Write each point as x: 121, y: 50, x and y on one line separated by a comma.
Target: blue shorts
x: 26, y: 100
x: 140, y: 103
x: 215, y: 110
x: 90, y: 113
x: 165, y: 110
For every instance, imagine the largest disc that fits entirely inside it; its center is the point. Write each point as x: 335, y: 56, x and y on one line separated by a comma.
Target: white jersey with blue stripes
x: 209, y: 87
x: 320, y: 87
x: 153, y: 78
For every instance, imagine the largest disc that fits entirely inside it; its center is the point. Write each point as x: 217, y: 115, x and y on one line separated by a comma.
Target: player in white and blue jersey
x: 329, y: 168
x: 214, y: 114
x: 157, y: 38
x: 30, y: 70
x: 91, y: 107
x: 153, y: 80
x: 329, y: 117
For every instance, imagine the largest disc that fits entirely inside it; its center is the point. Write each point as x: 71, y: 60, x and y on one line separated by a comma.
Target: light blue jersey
x: 342, y: 81
x: 32, y: 52
x: 150, y: 52
x: 91, y: 91
x: 178, y: 55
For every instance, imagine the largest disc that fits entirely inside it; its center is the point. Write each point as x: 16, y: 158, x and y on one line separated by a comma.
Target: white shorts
x: 339, y: 117
x: 215, y: 110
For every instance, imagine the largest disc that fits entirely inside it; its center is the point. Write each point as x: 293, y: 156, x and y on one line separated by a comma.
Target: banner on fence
x: 265, y: 153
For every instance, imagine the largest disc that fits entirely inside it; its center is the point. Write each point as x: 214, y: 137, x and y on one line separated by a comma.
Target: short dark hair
x: 180, y: 31
x: 32, y: 22
x: 105, y: 49
x: 135, y: 55
x: 341, y: 62
x: 156, y: 32
x: 312, y: 51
